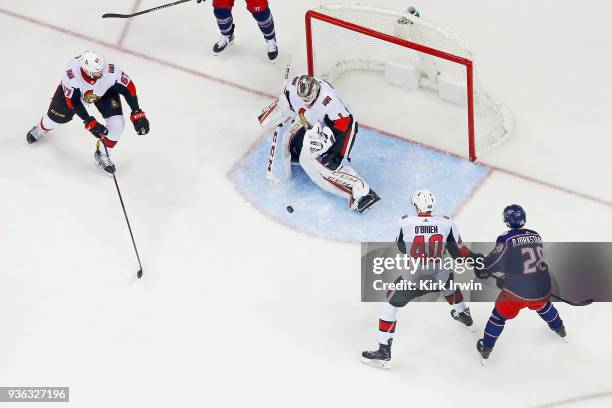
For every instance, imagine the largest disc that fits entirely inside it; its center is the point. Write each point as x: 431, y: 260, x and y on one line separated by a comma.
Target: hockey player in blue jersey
x: 518, y: 254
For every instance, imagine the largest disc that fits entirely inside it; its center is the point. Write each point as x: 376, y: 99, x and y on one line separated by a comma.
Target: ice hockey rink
x: 241, y: 305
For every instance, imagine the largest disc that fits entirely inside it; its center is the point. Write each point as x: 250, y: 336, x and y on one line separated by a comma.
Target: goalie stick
x: 499, y: 280
x: 269, y: 176
x: 115, y: 15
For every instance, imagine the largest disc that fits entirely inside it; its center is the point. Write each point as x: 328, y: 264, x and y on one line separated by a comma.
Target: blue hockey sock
x: 550, y: 315
x: 225, y: 21
x: 493, y: 329
x: 266, y: 23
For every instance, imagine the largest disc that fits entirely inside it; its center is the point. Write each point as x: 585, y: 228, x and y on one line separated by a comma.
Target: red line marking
x: 212, y: 78
x: 146, y: 57
x: 128, y: 23
x: 575, y: 193
x: 576, y: 399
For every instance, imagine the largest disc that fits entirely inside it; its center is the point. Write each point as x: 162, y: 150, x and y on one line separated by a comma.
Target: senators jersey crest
x: 90, y: 97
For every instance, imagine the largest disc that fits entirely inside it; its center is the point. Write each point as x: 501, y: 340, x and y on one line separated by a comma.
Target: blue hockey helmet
x: 514, y: 216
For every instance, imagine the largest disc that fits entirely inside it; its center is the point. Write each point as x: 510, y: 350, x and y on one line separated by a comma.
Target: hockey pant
x: 109, y: 106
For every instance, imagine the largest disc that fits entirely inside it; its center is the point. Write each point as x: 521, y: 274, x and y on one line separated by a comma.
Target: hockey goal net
x: 414, y: 53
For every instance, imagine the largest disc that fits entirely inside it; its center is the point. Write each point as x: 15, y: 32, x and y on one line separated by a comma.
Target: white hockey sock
x: 116, y: 126
x: 386, y: 323
x: 46, y: 124
x: 460, y: 306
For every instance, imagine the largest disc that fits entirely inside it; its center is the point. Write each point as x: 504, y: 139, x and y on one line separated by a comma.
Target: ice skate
x: 224, y: 42
x: 104, y: 162
x: 562, y: 333
x: 367, y: 201
x: 272, y: 49
x: 379, y: 358
x: 464, y: 317
x: 484, y: 351
x: 34, y: 135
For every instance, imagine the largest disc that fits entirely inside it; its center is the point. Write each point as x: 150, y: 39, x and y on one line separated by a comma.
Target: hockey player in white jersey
x: 90, y: 79
x: 320, y: 138
x: 419, y: 236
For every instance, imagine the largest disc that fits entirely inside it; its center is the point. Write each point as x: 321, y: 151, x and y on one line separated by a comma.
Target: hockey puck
x: 289, y: 209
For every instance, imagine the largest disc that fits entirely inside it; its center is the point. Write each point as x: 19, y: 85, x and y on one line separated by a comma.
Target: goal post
x: 360, y: 33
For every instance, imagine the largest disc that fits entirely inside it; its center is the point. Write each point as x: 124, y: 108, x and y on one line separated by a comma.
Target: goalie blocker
x: 319, y: 138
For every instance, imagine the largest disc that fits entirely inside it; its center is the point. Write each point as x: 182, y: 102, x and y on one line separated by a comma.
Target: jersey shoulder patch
x: 502, y: 238
x: 326, y: 100
x: 70, y: 74
x: 111, y: 68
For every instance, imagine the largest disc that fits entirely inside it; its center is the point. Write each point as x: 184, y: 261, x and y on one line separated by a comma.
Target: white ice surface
x: 235, y: 310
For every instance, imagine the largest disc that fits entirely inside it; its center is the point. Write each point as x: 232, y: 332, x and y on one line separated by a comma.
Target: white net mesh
x: 337, y: 50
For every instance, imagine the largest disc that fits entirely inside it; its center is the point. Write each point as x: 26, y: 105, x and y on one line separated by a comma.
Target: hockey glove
x: 479, y: 269
x: 140, y: 121
x: 96, y: 129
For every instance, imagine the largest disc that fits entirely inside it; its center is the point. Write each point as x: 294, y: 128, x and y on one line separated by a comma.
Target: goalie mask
x: 308, y: 89
x: 92, y: 64
x: 424, y: 201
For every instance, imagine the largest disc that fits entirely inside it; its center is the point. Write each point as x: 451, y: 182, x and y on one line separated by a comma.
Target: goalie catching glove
x: 319, y: 140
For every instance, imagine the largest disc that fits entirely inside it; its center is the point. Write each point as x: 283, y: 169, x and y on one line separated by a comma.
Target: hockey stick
x: 139, y: 273
x: 500, y: 281
x: 115, y: 15
x: 269, y: 176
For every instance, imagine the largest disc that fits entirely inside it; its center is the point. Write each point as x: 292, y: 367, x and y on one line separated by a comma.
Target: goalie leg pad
x: 343, y: 182
x: 289, y: 137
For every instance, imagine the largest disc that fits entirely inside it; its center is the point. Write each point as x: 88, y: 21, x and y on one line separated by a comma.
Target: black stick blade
x: 113, y: 15
x: 139, y: 274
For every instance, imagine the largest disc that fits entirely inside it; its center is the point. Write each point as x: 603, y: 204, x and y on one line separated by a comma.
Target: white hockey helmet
x: 308, y: 89
x: 92, y: 64
x: 424, y: 201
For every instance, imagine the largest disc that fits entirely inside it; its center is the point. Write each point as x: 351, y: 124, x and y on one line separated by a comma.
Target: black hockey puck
x: 289, y: 209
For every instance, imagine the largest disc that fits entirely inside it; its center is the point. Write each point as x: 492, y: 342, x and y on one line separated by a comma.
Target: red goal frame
x: 469, y: 68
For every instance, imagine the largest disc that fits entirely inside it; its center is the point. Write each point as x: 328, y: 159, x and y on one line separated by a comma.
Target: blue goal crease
x: 393, y: 167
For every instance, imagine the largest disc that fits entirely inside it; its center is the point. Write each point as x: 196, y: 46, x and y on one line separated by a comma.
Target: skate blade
x: 104, y: 171
x: 483, y: 362
x: 369, y: 207
x: 376, y: 363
